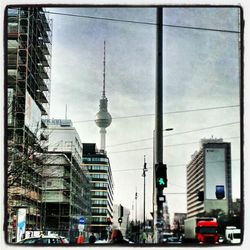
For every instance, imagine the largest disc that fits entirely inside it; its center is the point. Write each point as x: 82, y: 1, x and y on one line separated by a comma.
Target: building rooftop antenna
x: 104, y: 69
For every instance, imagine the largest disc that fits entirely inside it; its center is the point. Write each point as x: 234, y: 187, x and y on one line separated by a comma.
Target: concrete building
x: 125, y: 219
x: 28, y: 91
x: 66, y: 189
x: 166, y: 218
x: 98, y: 171
x: 209, y: 167
x: 178, y: 222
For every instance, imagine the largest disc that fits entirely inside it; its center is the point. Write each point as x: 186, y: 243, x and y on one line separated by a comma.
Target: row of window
x: 99, y: 193
x: 98, y: 219
x: 99, y: 210
x: 99, y: 202
x: 94, y: 159
x: 100, y: 184
x: 98, y: 168
x: 99, y: 176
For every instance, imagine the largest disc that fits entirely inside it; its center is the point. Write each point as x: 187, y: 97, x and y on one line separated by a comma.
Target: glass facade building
x: 99, y: 173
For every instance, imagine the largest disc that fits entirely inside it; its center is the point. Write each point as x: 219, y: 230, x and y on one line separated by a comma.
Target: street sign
x: 80, y: 227
x: 81, y: 220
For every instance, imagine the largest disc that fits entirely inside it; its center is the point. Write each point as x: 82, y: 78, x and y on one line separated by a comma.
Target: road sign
x: 81, y: 220
x: 80, y: 227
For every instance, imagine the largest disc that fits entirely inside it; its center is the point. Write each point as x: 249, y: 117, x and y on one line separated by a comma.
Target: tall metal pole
x: 136, y: 237
x: 159, y: 109
x: 144, y: 192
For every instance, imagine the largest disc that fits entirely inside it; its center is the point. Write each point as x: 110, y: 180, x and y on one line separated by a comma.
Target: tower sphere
x: 103, y: 119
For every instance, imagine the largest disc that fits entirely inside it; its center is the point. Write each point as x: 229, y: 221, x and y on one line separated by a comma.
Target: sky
x: 201, y: 71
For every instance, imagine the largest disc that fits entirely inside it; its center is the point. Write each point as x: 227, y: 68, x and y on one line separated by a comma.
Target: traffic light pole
x: 158, y: 213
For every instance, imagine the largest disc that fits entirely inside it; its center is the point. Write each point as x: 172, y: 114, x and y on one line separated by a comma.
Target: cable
x: 171, y: 145
x: 180, y: 133
x: 140, y: 22
x: 168, y: 166
x: 166, y: 113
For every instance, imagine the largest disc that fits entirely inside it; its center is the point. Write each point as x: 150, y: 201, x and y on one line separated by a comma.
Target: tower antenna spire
x: 103, y: 117
x: 104, y: 68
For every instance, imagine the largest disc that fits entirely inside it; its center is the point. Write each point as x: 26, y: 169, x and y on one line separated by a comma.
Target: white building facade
x: 208, y: 169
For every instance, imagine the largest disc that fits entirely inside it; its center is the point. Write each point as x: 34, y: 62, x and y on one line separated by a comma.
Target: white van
x: 233, y: 235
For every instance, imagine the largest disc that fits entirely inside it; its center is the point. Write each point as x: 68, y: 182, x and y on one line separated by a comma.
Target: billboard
x: 21, y: 224
x: 215, y: 171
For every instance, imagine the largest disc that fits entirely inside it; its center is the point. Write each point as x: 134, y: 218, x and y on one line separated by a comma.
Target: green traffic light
x: 161, y: 182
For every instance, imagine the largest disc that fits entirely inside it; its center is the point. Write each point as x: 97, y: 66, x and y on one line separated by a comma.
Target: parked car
x: 44, y: 240
x: 174, y: 240
x: 64, y: 239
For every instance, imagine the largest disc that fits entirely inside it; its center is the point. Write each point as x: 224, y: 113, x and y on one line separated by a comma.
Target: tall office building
x: 66, y: 188
x: 98, y: 169
x: 209, y: 167
x: 28, y: 90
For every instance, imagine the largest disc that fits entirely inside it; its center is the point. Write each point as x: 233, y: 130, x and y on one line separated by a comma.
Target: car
x: 101, y: 242
x: 64, y: 239
x: 43, y: 240
x: 174, y: 240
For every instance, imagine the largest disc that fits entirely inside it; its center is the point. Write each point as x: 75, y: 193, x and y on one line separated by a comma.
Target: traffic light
x: 120, y: 220
x: 161, y: 175
x: 200, y: 195
x: 219, y: 192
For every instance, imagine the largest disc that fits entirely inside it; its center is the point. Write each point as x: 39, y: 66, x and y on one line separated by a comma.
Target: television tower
x: 103, y: 117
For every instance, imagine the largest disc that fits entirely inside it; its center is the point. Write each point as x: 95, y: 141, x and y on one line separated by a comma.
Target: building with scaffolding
x: 98, y: 169
x: 66, y: 189
x: 28, y: 56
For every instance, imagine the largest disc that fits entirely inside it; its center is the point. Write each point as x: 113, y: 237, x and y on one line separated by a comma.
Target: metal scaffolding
x: 29, y: 56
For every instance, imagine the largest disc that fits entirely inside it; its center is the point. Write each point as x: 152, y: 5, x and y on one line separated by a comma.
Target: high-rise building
x: 208, y: 169
x: 66, y: 189
x: 100, y: 176
x: 28, y: 91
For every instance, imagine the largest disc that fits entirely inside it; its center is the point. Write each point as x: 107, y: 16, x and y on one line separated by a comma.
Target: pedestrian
x: 144, y: 237
x: 80, y: 239
x: 92, y: 239
x: 117, y: 237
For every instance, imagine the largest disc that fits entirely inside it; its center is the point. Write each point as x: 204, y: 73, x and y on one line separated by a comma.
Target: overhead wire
x: 179, y: 133
x: 168, y: 166
x: 141, y: 22
x: 166, y: 113
x: 171, y: 145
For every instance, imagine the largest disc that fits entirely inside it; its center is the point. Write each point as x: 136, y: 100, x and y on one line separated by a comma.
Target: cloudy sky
x: 201, y: 71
